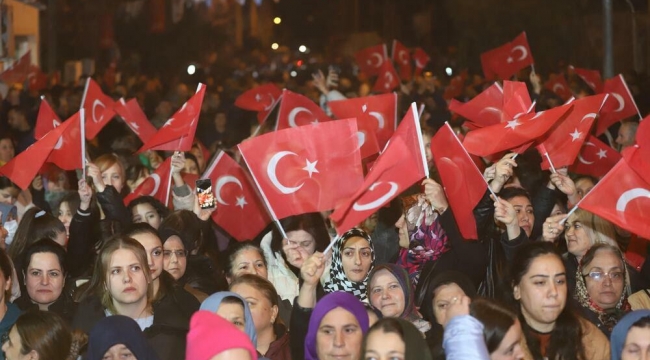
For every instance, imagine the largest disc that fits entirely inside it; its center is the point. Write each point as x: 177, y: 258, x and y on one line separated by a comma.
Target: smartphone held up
x: 204, y: 193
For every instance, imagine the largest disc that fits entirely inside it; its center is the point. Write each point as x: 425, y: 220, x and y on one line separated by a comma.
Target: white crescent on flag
x: 621, y: 101
x: 96, y: 103
x: 273, y: 176
x: 581, y: 159
x: 379, y: 201
x: 630, y: 195
x: 294, y: 112
x: 223, y: 180
x: 156, y: 182
x: 524, y: 52
x: 380, y: 118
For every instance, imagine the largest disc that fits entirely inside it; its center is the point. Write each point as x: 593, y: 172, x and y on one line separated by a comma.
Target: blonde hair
x: 105, y: 161
x: 599, y: 230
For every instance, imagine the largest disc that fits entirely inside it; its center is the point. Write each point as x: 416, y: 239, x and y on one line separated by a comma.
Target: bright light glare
x: 294, y: 74
x: 277, y: 21
x: 191, y: 69
x: 449, y: 71
x: 275, y: 46
x: 302, y: 48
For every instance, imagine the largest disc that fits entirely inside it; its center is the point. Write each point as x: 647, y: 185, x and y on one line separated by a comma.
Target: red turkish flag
x: 400, y: 165
x: 402, y: 57
x: 387, y: 79
x: 595, y: 158
x: 240, y: 211
x: 463, y: 182
x: 98, y: 106
x: 591, y: 77
x: 456, y: 86
x: 178, y: 132
x: 483, y: 110
x: 622, y: 197
x: 558, y: 85
x: 505, y: 60
x: 156, y: 184
x: 638, y: 156
x: 67, y: 152
x: 262, y: 99
x: 619, y: 105
x: 516, y: 100
x: 23, y: 168
x: 379, y: 112
x: 371, y: 59
x: 18, y: 71
x: 37, y: 80
x: 368, y: 144
x: 565, y: 140
x: 514, y: 133
x: 421, y: 59
x: 298, y: 110
x: 46, y: 120
x: 135, y: 119
x: 307, y: 168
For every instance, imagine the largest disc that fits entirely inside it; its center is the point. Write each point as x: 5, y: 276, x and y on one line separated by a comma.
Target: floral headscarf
x: 338, y: 280
x: 608, y: 318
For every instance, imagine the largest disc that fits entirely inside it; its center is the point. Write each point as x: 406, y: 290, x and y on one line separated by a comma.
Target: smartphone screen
x: 204, y: 193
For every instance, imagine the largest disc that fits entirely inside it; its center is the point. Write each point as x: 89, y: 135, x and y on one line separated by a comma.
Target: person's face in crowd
x: 16, y: 120
x: 542, y: 292
x: 510, y: 348
x: 119, y: 352
x: 249, y: 261
x: 583, y: 186
x: 113, y: 176
x: 402, y: 232
x: 637, y: 344
x: 524, y: 210
x: 233, y: 354
x: 426, y: 139
x: 154, y: 159
x: 234, y: 313
x: 606, y: 289
x: 9, y: 195
x: 198, y: 154
x: 191, y: 167
x: 300, y: 238
x: 175, y: 257
x: 577, y: 238
x: 126, y: 282
x: 220, y: 121
x: 264, y: 313
x: 146, y: 213
x: 7, y: 151
x: 339, y: 336
x: 154, y: 249
x: 44, y: 279
x: 356, y: 257
x: 557, y: 210
x: 370, y: 223
x: 443, y: 296
x: 13, y: 347
x: 386, y: 294
x: 5, y: 285
x: 382, y: 345
x: 626, y: 136
x: 65, y: 216
x: 142, y: 176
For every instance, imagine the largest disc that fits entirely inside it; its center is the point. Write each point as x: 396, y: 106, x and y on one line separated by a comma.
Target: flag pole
x: 82, y: 127
x: 329, y: 247
x: 416, y: 118
x: 169, y: 181
x: 550, y: 162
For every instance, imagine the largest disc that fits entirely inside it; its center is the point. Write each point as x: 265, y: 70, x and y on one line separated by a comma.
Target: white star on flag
x: 602, y: 153
x: 134, y: 125
x: 513, y: 124
x: 241, y: 202
x: 168, y: 122
x: 364, y: 108
x: 258, y: 98
x: 510, y: 60
x: 311, y: 167
x: 575, y: 135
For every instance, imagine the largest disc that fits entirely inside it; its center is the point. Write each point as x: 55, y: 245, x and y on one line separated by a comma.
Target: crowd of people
x: 86, y: 275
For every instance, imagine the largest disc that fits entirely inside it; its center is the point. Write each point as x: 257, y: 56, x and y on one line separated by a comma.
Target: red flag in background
x: 620, y: 104
x: 463, y: 182
x: 371, y: 59
x: 379, y: 112
x: 401, y: 165
x: 402, y: 57
x: 241, y: 212
x: 46, y: 120
x: 501, y: 137
x: 595, y: 158
x: 565, y: 140
x: 559, y: 85
x: 507, y: 59
x: 307, y: 168
x: 178, y: 132
x: 638, y: 156
x: 135, y: 119
x: 421, y: 59
x: 156, y: 184
x: 368, y: 144
x: 387, y: 79
x: 37, y: 80
x: 298, y: 110
x: 98, y: 106
x: 622, y: 197
x: 516, y: 100
x: 483, y: 110
x: 18, y: 71
x: 456, y: 86
x: 591, y: 77
x: 261, y: 99
x: 67, y: 153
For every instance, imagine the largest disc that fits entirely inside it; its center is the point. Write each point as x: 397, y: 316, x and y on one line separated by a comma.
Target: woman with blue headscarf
x: 233, y: 308
x: 631, y: 336
x: 118, y: 336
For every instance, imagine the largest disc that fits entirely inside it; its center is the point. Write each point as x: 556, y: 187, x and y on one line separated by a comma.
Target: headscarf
x: 608, y: 318
x: 619, y: 334
x: 414, y: 343
x: 328, y: 303
x: 338, y: 280
x: 118, y: 329
x: 210, y: 334
x: 213, y: 302
x: 427, y: 238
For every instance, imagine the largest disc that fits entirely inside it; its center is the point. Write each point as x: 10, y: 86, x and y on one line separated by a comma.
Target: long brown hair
x: 44, y: 332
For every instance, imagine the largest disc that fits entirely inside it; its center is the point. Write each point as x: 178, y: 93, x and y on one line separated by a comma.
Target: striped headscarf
x: 338, y: 280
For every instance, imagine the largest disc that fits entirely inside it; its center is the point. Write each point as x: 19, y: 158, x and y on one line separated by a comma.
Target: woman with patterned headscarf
x: 353, y: 258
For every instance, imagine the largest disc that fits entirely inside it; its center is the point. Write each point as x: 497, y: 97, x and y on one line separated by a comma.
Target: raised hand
x: 85, y: 195
x: 312, y: 269
x: 553, y: 227
x: 95, y: 174
x: 457, y: 307
x: 435, y: 195
x: 504, y: 169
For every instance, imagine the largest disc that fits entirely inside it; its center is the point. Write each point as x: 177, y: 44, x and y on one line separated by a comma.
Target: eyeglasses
x: 178, y: 253
x: 600, y: 276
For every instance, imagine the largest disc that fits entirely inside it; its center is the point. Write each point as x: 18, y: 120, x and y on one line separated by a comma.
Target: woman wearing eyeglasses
x: 602, y: 286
